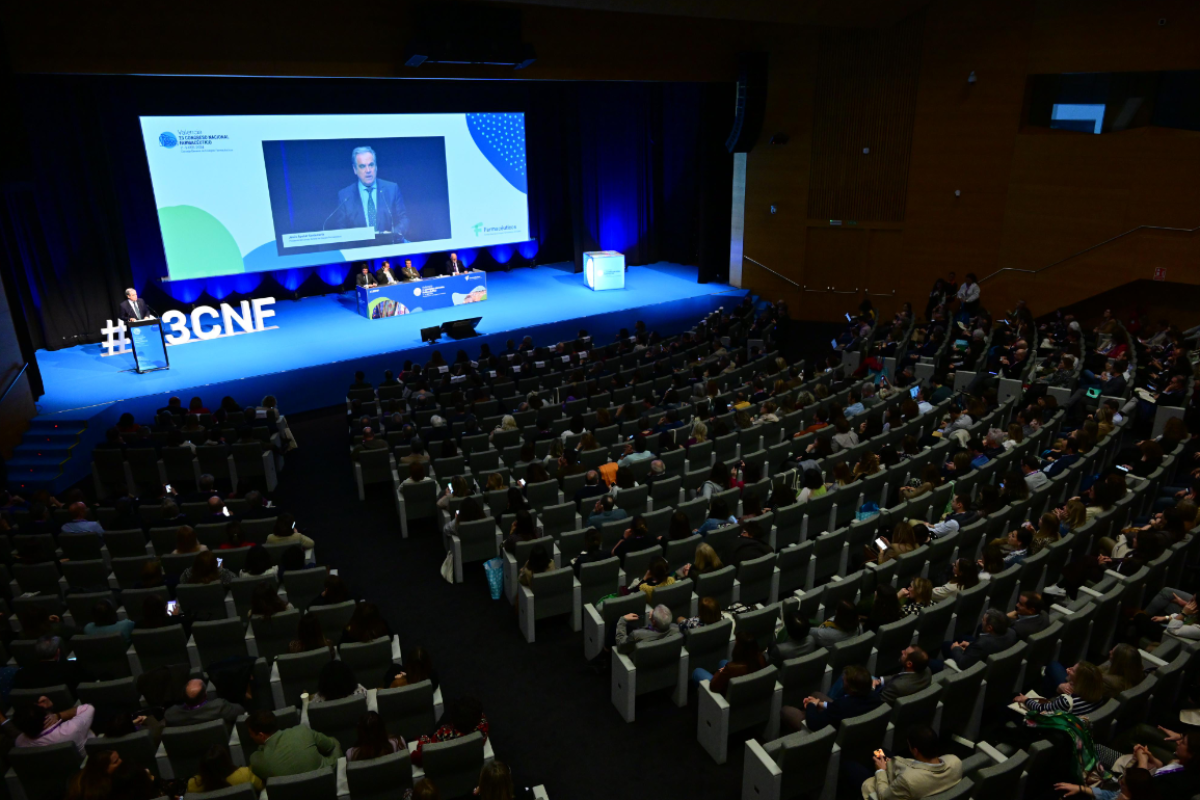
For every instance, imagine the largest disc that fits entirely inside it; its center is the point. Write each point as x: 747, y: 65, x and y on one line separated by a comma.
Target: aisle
x: 548, y: 710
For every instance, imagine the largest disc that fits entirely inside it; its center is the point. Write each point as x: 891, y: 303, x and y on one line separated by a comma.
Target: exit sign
x: 1160, y: 273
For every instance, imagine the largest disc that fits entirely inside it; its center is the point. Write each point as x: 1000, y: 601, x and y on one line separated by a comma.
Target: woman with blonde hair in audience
x: 457, y: 488
x: 917, y: 597
x: 931, y: 478
x: 507, y: 423
x: 706, y: 561
x: 699, y: 433
x: 902, y: 541
x: 1016, y: 435
x: 1123, y: 670
x: 495, y: 483
x: 1072, y: 517
x: 841, y: 475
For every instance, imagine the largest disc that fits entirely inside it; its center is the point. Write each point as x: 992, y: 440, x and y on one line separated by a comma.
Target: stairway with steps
x: 40, y: 460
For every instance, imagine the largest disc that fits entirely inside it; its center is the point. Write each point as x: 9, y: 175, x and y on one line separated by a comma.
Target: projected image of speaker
x: 461, y: 328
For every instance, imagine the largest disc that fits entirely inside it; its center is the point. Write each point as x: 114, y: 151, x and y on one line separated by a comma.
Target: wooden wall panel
x: 836, y: 259
x: 865, y: 100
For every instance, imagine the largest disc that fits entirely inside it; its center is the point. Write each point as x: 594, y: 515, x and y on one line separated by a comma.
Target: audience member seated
x: 286, y: 532
x: 185, y: 542
x: 258, y: 563
x: 718, y: 517
x: 708, y: 612
x: 309, y: 635
x: 660, y: 627
x: 996, y: 635
x: 539, y: 562
x: 798, y: 643
x: 819, y: 711
x: 925, y: 774
x: 217, y: 771
x: 750, y: 544
x: 79, y: 522
x: 335, y: 591
x: 636, y: 537
x: 288, y: 751
x: 39, y: 725
x: 1029, y: 617
x: 841, y: 626
x: 658, y: 574
x: 50, y: 669
x: 605, y: 510
x: 417, y: 667
x: 366, y: 625
x: 374, y: 740
x: 464, y: 716
x: 104, y: 620
x: 336, y: 682
x: 206, y: 570
x: 592, y: 551
x: 748, y: 658
x: 199, y: 707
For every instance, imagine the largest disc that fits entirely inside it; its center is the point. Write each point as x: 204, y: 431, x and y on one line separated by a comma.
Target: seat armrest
x: 1152, y: 659
x: 1090, y: 591
x: 707, y: 697
x: 991, y: 752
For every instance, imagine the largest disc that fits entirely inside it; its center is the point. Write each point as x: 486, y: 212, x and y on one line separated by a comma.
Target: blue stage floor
x: 321, y: 341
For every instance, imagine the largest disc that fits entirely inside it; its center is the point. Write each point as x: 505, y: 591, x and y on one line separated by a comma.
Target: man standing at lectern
x: 133, y: 309
x: 370, y: 202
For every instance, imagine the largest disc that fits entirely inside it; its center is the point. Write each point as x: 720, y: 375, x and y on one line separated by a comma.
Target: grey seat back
x: 41, y: 769
x: 160, y: 647
x: 478, y: 540
x: 109, y: 698
x: 320, y: 784
x: 138, y: 747
x: 338, y: 718
x: 657, y: 663
x: 890, y: 641
x: 677, y: 597
x: 959, y: 697
x: 616, y: 607
x: 298, y: 672
x: 59, y: 695
x: 272, y: 636
x: 420, y: 499
x: 187, y: 744
x: 408, y: 710
x: 219, y: 639
x: 792, y: 563
x: 717, y: 584
x: 242, y: 590
x: 552, y: 592
x: 1041, y: 648
x: 380, y: 778
x: 103, y: 655
x: 968, y: 609
x: 759, y: 623
x: 525, y: 549
x: 933, y: 623
x: 681, y: 551
x: 333, y: 618
x: 599, y: 579
x: 802, y: 676
x: 1002, y: 781
x: 1168, y: 682
x: 919, y: 707
x: 638, y: 561
x: 708, y: 645
x: 81, y: 547
x: 755, y: 577
x: 454, y: 766
x: 304, y: 585
x: 796, y: 754
x: 202, y: 601
x: 369, y: 660
x: 1003, y: 670
x: 749, y: 698
x: 855, y: 650
x: 859, y: 736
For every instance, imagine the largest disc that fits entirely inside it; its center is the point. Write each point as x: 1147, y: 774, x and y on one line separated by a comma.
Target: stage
x: 310, y: 359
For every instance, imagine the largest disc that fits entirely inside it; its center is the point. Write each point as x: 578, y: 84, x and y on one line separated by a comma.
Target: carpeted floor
x: 551, y: 717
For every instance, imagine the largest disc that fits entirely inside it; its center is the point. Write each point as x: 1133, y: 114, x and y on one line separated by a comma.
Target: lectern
x: 149, y: 349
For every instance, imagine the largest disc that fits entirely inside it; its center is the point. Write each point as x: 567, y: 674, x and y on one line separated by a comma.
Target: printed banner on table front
x: 423, y: 295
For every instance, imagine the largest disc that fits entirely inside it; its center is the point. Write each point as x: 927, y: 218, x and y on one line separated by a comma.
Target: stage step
x: 46, y: 448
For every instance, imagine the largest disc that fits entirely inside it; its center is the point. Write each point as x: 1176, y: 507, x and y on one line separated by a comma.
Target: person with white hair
x: 659, y: 627
x: 133, y: 308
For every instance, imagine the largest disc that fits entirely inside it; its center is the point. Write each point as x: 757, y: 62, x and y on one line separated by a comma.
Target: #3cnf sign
x: 248, y: 316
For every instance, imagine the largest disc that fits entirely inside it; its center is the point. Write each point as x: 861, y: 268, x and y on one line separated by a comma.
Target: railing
x: 826, y: 290
x: 13, y: 382
x: 1093, y: 247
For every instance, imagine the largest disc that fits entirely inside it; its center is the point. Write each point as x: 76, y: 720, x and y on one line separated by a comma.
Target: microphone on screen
x: 336, y: 210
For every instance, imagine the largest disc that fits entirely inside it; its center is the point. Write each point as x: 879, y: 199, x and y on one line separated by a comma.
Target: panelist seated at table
x: 385, y: 277
x: 133, y: 308
x: 455, y: 267
x: 407, y: 272
x: 365, y: 278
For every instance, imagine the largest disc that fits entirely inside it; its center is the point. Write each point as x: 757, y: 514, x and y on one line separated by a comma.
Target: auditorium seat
x: 750, y: 701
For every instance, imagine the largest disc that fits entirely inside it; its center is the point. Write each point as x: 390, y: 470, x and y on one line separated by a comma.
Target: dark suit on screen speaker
x: 136, y: 309
x: 354, y: 203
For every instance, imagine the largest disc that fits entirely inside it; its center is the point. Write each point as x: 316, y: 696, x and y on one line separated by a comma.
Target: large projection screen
x: 254, y: 193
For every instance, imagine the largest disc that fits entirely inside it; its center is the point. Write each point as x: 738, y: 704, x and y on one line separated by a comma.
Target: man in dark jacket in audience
x: 750, y: 545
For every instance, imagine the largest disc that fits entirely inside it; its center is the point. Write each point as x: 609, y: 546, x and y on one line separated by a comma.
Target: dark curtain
x: 625, y: 166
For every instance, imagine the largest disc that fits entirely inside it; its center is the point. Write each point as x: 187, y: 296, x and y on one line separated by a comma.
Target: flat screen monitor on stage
x: 255, y: 193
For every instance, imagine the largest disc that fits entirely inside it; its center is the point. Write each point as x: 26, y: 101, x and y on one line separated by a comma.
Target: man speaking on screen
x: 370, y: 202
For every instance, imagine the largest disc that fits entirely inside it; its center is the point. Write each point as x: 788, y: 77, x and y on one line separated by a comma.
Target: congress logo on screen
x: 167, y: 139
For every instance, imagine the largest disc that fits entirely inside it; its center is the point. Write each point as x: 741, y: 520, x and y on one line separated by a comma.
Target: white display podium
x: 604, y: 269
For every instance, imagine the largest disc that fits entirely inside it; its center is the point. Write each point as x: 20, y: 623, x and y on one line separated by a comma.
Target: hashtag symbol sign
x: 115, y: 340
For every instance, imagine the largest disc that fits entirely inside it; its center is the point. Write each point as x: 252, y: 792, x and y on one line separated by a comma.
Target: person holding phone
x: 927, y: 773
x: 286, y: 532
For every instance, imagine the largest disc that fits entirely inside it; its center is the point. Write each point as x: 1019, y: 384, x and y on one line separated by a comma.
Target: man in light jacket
x: 923, y: 775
